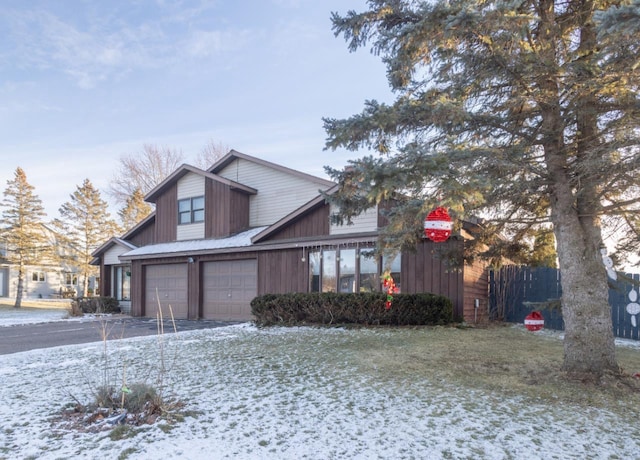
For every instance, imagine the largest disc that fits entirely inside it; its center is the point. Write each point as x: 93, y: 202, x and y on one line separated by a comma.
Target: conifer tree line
x: 84, y: 222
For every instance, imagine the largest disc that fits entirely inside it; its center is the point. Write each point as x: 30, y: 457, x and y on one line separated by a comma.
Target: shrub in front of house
x: 342, y: 308
x: 96, y: 305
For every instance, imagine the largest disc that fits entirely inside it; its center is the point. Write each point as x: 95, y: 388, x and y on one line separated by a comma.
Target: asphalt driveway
x: 24, y: 337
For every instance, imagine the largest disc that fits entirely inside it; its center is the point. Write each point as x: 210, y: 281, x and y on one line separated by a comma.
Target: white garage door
x: 166, y: 285
x: 228, y: 288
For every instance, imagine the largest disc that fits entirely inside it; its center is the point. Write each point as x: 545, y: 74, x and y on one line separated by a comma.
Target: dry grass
x: 505, y: 359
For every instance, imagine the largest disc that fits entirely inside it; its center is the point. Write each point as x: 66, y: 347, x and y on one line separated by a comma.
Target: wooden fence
x: 514, y: 292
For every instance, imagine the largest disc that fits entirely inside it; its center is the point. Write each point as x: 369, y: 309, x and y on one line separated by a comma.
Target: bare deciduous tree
x: 210, y: 153
x: 143, y: 170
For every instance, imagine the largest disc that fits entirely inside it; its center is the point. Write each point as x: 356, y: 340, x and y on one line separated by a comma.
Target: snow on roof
x: 235, y: 241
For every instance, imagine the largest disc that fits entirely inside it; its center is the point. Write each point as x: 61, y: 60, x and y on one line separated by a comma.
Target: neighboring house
x: 48, y: 279
x: 247, y: 227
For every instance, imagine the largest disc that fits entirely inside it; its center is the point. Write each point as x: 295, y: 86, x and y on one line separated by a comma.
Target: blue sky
x: 84, y: 82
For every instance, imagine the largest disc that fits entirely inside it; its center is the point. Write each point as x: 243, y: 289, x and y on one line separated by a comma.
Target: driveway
x: 24, y: 337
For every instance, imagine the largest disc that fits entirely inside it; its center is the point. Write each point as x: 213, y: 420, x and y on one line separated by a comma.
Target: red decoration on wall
x: 390, y: 288
x: 438, y: 225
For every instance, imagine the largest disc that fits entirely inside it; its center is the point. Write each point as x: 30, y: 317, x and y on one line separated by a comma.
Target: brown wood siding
x: 239, y: 203
x: 227, y: 211
x: 194, y: 297
x: 217, y: 212
x: 105, y: 280
x: 476, y: 286
x: 167, y: 216
x: 137, y: 288
x: 313, y: 223
x: 145, y: 236
x: 281, y: 272
x: 423, y: 271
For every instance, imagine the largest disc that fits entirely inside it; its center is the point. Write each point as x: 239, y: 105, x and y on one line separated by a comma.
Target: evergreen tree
x: 544, y: 250
x: 134, y: 210
x: 85, y: 221
x: 525, y: 113
x: 22, y: 231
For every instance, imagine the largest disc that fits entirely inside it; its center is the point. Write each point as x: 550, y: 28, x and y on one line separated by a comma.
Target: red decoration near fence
x: 534, y: 321
x: 438, y: 225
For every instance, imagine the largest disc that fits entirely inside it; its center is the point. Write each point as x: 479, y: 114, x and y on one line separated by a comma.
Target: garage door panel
x: 228, y: 288
x: 166, y: 285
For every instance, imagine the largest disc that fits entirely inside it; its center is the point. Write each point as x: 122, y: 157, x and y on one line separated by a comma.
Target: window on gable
x: 191, y: 210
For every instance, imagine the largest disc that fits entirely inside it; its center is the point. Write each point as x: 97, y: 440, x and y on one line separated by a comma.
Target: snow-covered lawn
x: 297, y: 393
x: 10, y: 316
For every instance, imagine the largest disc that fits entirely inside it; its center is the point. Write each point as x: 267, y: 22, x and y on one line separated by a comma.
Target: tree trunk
x: 589, y: 345
x: 20, y: 289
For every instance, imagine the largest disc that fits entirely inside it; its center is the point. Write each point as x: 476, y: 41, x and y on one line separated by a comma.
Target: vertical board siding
x: 227, y: 211
x: 281, y: 272
x: 476, y: 282
x: 105, y: 281
x: 144, y: 236
x: 365, y: 222
x: 424, y: 271
x: 167, y: 216
x: 314, y: 223
x: 239, y: 219
x: 516, y: 291
x: 217, y: 213
x: 279, y: 193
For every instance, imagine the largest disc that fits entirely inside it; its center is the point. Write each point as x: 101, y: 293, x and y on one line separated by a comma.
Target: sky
x: 83, y: 83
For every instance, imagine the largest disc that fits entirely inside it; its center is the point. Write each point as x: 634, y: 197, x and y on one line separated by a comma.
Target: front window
x: 350, y: 270
x: 122, y: 283
x: 314, y: 271
x: 347, y: 269
x: 369, y: 277
x: 38, y: 276
x: 328, y: 282
x: 191, y: 210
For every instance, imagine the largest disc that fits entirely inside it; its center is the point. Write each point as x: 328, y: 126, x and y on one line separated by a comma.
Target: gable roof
x: 111, y: 242
x: 185, y: 169
x: 235, y: 155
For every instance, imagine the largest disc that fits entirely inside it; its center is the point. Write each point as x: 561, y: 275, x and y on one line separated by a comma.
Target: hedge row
x: 95, y: 305
x: 364, y: 308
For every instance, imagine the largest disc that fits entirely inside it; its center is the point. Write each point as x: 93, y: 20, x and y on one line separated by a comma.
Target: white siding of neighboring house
x: 189, y: 186
x: 365, y: 222
x: 279, y: 193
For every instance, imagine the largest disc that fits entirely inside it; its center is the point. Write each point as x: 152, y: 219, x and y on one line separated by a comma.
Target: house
x: 247, y: 227
x: 50, y: 277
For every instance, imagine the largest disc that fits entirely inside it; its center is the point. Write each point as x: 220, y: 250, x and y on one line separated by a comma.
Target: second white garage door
x: 228, y: 288
x: 166, y: 285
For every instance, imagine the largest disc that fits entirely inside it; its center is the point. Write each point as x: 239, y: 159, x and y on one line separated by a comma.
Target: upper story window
x: 191, y: 210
